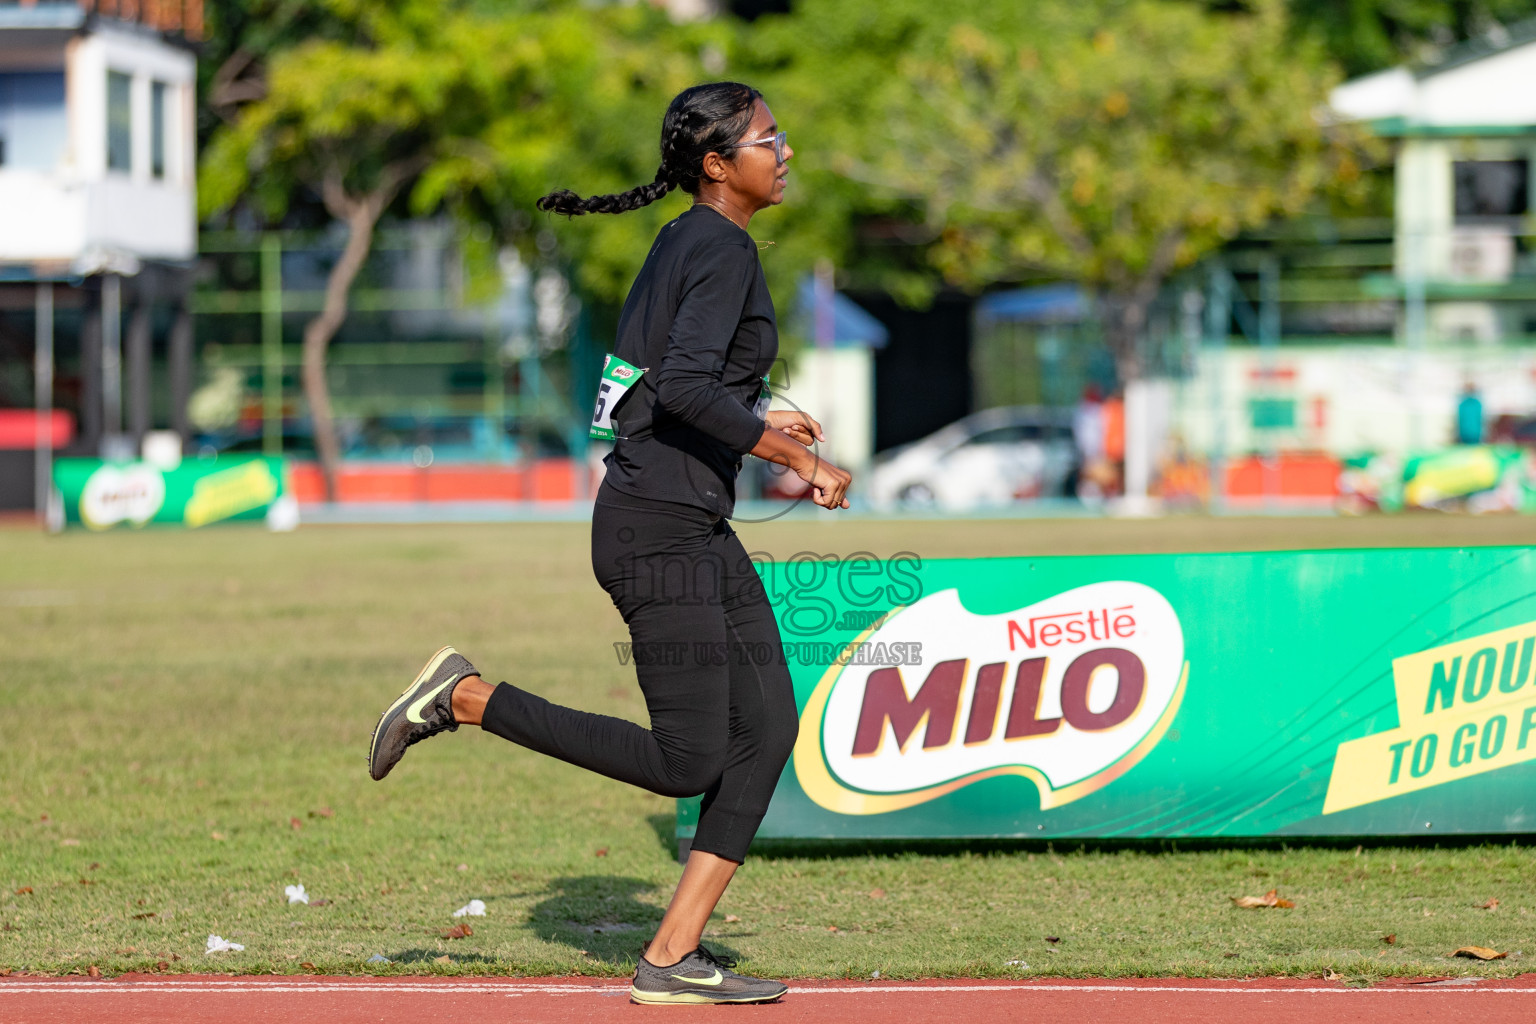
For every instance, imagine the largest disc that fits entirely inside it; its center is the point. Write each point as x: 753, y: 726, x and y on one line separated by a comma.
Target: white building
x: 98, y: 224
x: 96, y: 139
x: 1466, y: 154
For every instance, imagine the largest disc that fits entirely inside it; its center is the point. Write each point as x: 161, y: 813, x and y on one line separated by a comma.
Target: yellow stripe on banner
x: 1453, y: 745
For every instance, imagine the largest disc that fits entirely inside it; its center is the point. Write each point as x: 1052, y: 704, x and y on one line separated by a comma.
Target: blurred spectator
x: 1088, y: 425
x: 1114, y: 439
x: 1088, y: 433
x: 1469, y: 416
x: 1183, y: 481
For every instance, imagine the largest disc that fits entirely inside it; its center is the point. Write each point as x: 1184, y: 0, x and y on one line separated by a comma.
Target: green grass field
x: 187, y: 716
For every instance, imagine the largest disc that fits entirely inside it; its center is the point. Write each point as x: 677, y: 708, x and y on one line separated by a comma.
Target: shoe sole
x: 423, y: 676
x: 674, y: 998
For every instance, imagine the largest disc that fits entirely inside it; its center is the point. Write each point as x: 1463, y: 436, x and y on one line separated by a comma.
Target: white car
x: 988, y: 459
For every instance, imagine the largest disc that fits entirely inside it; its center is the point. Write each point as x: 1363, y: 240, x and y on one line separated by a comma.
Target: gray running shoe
x: 700, y: 977
x: 424, y: 709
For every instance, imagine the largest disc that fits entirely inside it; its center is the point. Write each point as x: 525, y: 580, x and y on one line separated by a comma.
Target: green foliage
x: 1106, y: 142
x: 1368, y: 35
x: 411, y: 90
x: 831, y: 72
x: 604, y: 103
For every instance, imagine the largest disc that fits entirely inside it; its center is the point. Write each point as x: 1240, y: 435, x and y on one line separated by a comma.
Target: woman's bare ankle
x: 470, y: 695
x: 662, y: 954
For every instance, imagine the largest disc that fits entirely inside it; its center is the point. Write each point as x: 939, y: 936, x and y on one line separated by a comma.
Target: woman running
x: 696, y: 339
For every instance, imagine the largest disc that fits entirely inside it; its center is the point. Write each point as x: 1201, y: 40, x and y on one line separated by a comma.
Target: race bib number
x: 618, y: 378
x: 764, y: 397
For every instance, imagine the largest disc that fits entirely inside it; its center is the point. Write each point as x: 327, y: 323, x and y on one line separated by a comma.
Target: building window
x: 34, y: 129
x: 1492, y: 189
x: 119, y: 122
x: 157, y: 92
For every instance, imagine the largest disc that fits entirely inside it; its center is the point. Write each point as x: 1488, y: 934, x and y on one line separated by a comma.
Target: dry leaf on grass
x: 1390, y: 940
x: 307, y: 965
x: 1053, y: 938
x: 444, y: 959
x: 319, y: 903
x: 731, y: 919
x: 1229, y: 956
x: 877, y: 894
x: 161, y: 965
x: 601, y: 851
x: 217, y: 837
x: 322, y: 812
x: 1479, y: 953
x: 831, y: 927
x: 25, y: 890
x: 144, y: 917
x: 1490, y: 905
x: 1269, y: 899
x: 458, y: 931
x: 87, y: 881
x: 295, y: 824
x: 1332, y: 975
x: 125, y: 952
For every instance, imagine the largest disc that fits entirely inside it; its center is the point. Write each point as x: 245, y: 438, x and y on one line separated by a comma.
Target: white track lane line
x: 513, y: 990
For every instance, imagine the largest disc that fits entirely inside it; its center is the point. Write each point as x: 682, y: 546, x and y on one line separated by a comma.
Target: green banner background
x: 196, y: 493
x: 1290, y: 654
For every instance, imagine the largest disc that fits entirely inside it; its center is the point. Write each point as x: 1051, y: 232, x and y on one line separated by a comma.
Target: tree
x: 431, y: 100
x: 831, y: 70
x: 1368, y: 35
x: 1110, y: 142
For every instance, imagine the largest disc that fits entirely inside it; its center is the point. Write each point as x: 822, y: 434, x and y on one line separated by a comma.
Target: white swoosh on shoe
x: 413, y: 713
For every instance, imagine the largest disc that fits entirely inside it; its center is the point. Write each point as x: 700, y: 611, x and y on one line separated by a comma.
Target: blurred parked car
x: 990, y: 458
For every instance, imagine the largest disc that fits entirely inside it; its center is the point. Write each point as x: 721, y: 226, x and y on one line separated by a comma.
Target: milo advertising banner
x: 1274, y: 694
x: 100, y: 495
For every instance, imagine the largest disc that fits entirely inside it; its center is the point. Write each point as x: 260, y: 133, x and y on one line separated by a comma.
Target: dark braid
x: 705, y: 119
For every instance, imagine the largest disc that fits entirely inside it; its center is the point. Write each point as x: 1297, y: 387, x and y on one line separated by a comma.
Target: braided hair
x: 704, y: 119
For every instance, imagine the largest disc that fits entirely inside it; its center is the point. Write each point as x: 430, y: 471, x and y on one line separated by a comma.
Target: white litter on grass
x: 377, y: 958
x: 218, y: 945
x: 474, y: 908
x: 1017, y: 963
x: 296, y: 894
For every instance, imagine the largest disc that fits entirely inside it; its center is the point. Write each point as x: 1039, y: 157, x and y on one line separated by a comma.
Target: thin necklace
x: 705, y: 202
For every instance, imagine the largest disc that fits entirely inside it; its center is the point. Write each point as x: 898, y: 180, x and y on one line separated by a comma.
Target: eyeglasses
x: 777, y: 142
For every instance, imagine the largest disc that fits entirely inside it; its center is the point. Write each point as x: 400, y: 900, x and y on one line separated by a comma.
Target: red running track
x: 149, y: 999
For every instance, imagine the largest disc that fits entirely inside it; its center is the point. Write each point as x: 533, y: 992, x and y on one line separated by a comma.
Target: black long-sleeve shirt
x: 700, y: 321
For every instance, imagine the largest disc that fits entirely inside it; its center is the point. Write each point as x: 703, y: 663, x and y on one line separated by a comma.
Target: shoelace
x: 727, y: 962
x: 444, y: 720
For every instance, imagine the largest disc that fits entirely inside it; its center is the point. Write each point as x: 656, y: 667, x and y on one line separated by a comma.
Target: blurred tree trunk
x: 1125, y: 305
x: 360, y: 213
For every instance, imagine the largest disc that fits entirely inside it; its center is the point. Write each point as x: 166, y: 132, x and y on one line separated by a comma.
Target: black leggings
x: 707, y: 651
